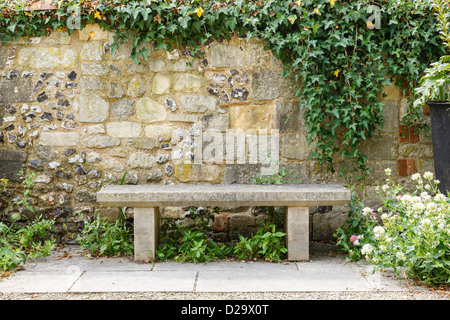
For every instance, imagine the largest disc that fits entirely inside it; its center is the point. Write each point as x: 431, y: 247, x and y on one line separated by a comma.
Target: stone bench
x: 146, y: 200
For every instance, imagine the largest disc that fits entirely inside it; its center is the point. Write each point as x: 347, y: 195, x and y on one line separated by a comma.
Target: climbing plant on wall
x: 339, y: 54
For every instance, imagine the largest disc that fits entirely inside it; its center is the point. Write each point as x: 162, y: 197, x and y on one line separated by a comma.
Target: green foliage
x: 414, y: 237
x: 103, y: 238
x: 266, y: 243
x: 357, y: 230
x: 337, y: 61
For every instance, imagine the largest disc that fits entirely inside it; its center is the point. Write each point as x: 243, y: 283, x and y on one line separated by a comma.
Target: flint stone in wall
x: 47, y: 58
x: 17, y: 90
x: 123, y: 109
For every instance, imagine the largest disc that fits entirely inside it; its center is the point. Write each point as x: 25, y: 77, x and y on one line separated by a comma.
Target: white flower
x: 428, y: 175
x: 378, y: 232
x: 418, y: 206
x: 367, y: 249
x: 385, y: 187
x: 366, y: 211
x: 425, y: 222
x: 437, y: 181
x: 415, y: 177
x: 440, y: 197
x: 388, y: 171
x: 400, y: 255
x: 383, y: 247
x: 384, y: 216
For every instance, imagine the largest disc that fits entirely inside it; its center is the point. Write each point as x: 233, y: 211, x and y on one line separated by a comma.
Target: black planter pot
x: 440, y: 126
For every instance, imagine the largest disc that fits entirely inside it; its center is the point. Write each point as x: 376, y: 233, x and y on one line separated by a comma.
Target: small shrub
x: 414, y: 236
x: 102, y: 238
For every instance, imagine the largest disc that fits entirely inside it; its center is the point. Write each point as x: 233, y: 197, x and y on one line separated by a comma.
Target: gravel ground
x: 414, y: 294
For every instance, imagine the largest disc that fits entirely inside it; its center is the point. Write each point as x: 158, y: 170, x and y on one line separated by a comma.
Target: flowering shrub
x: 414, y: 235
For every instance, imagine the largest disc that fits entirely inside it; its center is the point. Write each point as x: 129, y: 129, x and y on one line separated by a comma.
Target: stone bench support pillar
x: 146, y: 233
x: 297, y: 233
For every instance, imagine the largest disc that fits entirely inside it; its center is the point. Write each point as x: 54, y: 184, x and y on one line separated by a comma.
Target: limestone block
x: 223, y: 55
x: 220, y: 122
x: 145, y: 144
x: 148, y: 110
x: 159, y: 131
x: 92, y: 51
x: 188, y: 82
x: 269, y: 84
x: 3, y: 56
x: 92, y: 84
x: 295, y: 146
x: 100, y: 142
x: 17, y: 90
x: 94, y: 69
x: 257, y: 56
x: 384, y: 147
x: 250, y: 117
x: 196, y: 103
x: 392, y: 92
x: 156, y: 65
x: 161, y: 84
x: 123, y: 109
x: 58, y: 38
x: 59, y: 139
x: 141, y: 160
x: 93, y: 108
x: 390, y: 116
x: 123, y: 129
x: 289, y: 116
x: 197, y: 172
x: 47, y: 58
x: 136, y: 87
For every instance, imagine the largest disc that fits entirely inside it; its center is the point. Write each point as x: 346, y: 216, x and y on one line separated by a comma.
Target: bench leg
x: 146, y: 232
x: 297, y: 233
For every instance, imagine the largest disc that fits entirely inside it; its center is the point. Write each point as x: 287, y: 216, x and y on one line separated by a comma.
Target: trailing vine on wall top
x: 338, y: 53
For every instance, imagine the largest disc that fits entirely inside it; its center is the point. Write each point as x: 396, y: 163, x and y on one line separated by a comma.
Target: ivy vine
x: 338, y: 53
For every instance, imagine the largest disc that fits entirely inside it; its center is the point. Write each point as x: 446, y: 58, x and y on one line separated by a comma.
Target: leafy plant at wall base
x: 103, y: 238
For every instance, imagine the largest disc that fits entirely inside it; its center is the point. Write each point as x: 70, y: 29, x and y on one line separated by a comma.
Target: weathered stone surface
x: 245, y: 173
x: 213, y: 121
x: 243, y: 224
x: 11, y: 162
x: 3, y: 56
x: 197, y: 173
x: 156, y: 65
x: 161, y: 84
x: 149, y: 110
x: 60, y: 139
x: 100, y: 142
x: 417, y: 150
x: 92, y: 51
x: 188, y: 82
x: 58, y: 38
x: 159, y: 131
x: 141, y: 160
x: 384, y: 147
x: 18, y: 90
x: 145, y: 144
x: 85, y: 196
x: 257, y: 56
x: 46, y: 153
x: 93, y: 108
x: 253, y: 117
x: 195, y: 103
x: 136, y: 87
x: 94, y: 69
x: 269, y: 84
x: 92, y: 84
x: 390, y: 116
x: 155, y: 175
x: 123, y: 129
x: 116, y: 90
x: 123, y: 109
x: 47, y: 58
x: 289, y: 116
x: 223, y: 55
x: 295, y: 146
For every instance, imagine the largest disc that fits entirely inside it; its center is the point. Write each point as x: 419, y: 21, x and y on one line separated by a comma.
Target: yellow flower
x: 59, y: 29
x: 97, y: 15
x: 91, y: 34
x: 332, y: 3
x: 299, y: 3
x: 292, y: 19
x: 370, y: 24
x: 336, y: 73
x: 317, y: 11
x: 199, y: 12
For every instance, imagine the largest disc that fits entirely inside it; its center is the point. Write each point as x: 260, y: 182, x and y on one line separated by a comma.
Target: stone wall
x: 80, y: 116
